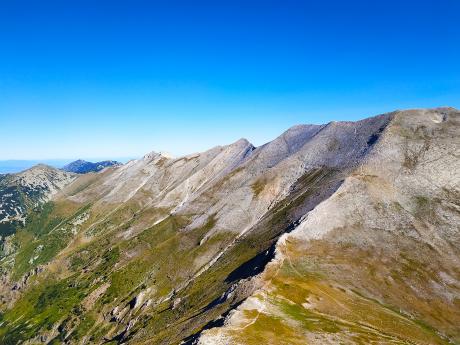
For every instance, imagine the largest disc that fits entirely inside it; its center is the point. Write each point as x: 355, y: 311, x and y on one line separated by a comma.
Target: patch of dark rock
x: 132, y: 303
x: 372, y: 139
x: 291, y: 227
x: 253, y: 266
x: 257, y: 264
x: 219, y: 322
x: 219, y: 300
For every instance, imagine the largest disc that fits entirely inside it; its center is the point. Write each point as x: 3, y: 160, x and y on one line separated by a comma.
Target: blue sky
x: 122, y: 78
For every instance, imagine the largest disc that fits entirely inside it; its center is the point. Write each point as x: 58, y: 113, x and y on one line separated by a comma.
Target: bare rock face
x: 380, y: 256
x: 338, y: 233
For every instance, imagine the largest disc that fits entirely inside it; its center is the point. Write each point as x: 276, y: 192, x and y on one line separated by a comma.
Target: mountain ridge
x: 156, y: 250
x: 309, y: 230
x: 27, y: 190
x: 81, y: 166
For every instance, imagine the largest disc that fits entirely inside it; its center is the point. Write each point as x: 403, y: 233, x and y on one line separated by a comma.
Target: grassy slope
x: 328, y: 292
x: 161, y: 257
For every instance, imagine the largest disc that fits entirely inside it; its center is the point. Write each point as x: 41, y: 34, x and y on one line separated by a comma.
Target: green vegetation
x: 40, y: 309
x: 301, y: 301
x: 258, y: 186
x: 45, y: 234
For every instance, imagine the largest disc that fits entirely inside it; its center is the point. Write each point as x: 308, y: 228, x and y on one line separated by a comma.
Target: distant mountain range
x: 341, y: 233
x: 17, y: 165
x: 82, y: 167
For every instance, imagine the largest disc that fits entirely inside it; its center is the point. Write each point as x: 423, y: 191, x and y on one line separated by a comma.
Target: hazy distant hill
x: 342, y: 233
x: 82, y: 167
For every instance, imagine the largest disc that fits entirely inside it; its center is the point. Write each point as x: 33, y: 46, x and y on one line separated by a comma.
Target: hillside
x: 26, y: 191
x: 339, y: 233
x: 377, y: 262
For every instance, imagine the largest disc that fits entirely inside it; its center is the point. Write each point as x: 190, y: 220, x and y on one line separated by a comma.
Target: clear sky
x: 122, y: 78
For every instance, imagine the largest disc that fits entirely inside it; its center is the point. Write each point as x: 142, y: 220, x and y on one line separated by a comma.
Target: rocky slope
x: 378, y: 261
x: 159, y: 250
x: 25, y: 191
x: 82, y: 167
